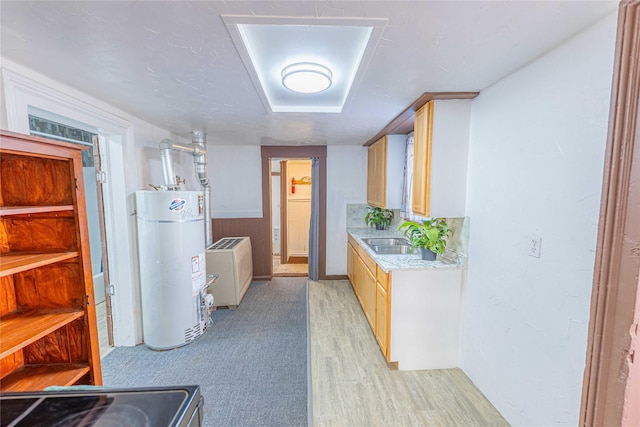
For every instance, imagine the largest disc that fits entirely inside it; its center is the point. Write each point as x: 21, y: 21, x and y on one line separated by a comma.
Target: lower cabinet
x: 352, y: 262
x: 371, y: 286
x: 383, y: 311
x: 369, y: 296
x: 415, y: 314
x: 382, y: 318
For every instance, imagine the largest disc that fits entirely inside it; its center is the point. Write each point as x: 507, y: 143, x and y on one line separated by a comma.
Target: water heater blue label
x: 177, y: 205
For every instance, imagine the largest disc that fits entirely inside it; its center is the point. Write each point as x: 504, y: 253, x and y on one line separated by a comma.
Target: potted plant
x: 430, y: 236
x: 379, y: 217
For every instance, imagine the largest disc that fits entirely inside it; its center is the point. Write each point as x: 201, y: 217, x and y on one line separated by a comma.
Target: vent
x: 226, y: 243
x: 192, y: 333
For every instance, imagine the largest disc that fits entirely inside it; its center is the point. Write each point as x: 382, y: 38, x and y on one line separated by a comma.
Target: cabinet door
x: 422, y: 140
x: 377, y: 173
x: 369, y: 298
x: 371, y: 170
x: 351, y: 263
x: 360, y: 277
x: 382, y: 319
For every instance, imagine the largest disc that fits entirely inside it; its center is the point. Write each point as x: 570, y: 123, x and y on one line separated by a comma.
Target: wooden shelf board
x: 39, y: 377
x: 19, y: 210
x: 12, y: 263
x: 20, y: 329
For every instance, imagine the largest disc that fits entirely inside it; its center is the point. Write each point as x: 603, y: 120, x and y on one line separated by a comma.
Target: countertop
x: 401, y: 262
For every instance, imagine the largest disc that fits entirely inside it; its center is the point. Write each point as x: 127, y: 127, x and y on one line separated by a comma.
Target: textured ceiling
x: 173, y: 64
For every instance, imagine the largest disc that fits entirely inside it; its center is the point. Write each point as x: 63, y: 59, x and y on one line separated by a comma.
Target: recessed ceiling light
x: 306, y: 77
x: 267, y: 44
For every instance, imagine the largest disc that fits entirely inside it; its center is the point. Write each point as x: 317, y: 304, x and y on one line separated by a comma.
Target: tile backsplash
x: 356, y: 214
x: 458, y: 240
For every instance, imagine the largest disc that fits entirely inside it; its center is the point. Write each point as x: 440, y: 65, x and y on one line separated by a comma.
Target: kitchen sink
x: 391, y: 241
x: 392, y: 249
x: 389, y: 246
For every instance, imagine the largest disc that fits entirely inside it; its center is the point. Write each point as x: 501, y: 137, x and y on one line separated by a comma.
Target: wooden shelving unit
x: 41, y: 323
x: 17, y: 262
x: 39, y: 377
x: 48, y: 330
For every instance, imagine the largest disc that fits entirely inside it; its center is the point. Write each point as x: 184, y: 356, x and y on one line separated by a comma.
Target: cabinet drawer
x: 383, y: 278
x: 368, y: 261
x: 352, y: 241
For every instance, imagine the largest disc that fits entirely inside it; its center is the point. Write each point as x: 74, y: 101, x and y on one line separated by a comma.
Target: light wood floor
x: 288, y: 269
x: 103, y: 337
x: 352, y: 385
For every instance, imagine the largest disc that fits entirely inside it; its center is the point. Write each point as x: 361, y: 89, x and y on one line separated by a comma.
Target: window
x: 407, y: 189
x: 50, y: 129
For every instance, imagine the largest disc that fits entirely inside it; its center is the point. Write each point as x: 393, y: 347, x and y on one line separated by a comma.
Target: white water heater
x: 171, y: 247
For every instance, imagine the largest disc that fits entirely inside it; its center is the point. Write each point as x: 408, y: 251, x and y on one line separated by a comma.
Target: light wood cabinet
x: 377, y: 173
x: 382, y: 319
x: 352, y: 259
x: 368, y: 289
x: 417, y: 312
x: 385, y: 172
x: 365, y: 284
x: 440, y: 154
x: 422, y: 140
x: 48, y: 324
x: 371, y: 286
x: 383, y: 310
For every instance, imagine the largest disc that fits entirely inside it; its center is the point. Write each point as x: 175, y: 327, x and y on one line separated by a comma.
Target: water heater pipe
x: 197, y: 148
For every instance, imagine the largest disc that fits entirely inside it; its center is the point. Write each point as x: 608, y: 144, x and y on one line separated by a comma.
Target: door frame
x: 297, y: 152
x: 98, y: 142
x: 26, y: 89
x: 612, y: 374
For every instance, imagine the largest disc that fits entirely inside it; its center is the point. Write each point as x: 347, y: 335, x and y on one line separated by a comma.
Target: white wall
x: 131, y: 143
x: 346, y: 184
x: 535, y: 168
x: 235, y: 172
x: 298, y: 209
x: 449, y: 157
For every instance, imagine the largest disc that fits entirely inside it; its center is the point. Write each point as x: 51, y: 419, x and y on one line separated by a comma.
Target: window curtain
x: 314, y: 226
x: 408, y: 179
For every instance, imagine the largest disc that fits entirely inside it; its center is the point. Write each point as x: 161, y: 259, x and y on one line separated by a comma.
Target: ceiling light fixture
x: 306, y: 77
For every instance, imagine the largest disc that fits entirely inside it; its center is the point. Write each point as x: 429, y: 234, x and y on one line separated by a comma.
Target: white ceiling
x: 174, y: 64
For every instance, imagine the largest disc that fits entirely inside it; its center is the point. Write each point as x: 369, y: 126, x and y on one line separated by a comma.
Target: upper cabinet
x: 440, y: 153
x: 385, y: 171
x: 422, y: 142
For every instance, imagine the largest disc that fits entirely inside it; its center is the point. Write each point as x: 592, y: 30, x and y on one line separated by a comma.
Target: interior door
x: 101, y: 179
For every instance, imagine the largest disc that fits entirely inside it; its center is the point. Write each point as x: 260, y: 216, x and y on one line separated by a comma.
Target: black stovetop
x: 171, y: 406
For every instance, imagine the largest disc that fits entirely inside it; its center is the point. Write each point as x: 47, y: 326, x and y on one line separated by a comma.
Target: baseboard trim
x: 335, y: 277
x: 261, y: 278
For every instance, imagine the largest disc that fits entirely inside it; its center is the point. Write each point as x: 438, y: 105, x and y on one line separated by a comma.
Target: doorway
x: 290, y: 216
x: 317, y: 256
x: 58, y: 130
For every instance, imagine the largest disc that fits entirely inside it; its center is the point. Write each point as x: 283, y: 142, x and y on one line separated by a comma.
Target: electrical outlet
x: 535, y: 244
